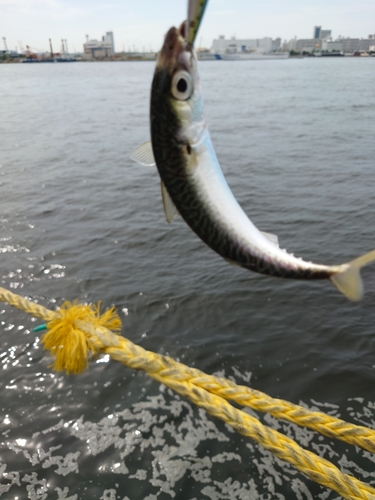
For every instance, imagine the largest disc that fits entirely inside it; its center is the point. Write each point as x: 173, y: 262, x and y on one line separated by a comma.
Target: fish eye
x: 182, y: 85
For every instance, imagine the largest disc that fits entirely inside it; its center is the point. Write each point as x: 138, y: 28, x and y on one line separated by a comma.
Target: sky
x: 141, y: 24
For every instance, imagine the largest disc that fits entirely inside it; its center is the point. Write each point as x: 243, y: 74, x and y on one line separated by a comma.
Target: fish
x: 193, y: 184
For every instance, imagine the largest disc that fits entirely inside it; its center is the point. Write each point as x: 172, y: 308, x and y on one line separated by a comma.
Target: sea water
x: 79, y: 219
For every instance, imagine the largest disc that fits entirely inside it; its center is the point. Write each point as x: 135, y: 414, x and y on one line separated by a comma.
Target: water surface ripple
x: 79, y: 220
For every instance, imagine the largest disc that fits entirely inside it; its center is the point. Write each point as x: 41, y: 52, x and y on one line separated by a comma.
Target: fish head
x: 176, y: 104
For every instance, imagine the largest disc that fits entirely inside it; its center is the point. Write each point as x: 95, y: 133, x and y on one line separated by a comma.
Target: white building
x: 332, y: 46
x: 308, y: 45
x: 325, y: 34
x: 95, y: 49
x: 356, y: 44
x: 318, y: 42
x: 290, y: 45
x: 233, y: 45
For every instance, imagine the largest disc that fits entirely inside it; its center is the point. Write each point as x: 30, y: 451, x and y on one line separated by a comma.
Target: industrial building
x: 99, y: 49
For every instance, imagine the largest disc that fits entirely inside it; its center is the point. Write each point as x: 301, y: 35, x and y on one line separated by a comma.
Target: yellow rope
x: 26, y: 305
x: 135, y: 357
x: 77, y: 330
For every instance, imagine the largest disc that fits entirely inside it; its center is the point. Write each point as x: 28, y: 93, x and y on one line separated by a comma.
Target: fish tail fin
x: 348, y: 278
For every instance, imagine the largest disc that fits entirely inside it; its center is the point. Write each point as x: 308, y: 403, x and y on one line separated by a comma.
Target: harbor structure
x: 99, y: 49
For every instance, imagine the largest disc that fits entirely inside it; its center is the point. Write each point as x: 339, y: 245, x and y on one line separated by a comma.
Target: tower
x: 317, y: 30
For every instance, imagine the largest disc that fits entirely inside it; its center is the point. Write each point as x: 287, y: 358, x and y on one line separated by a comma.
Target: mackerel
x: 194, y: 186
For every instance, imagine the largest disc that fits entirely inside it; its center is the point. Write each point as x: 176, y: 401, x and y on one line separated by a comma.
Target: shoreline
x: 152, y: 59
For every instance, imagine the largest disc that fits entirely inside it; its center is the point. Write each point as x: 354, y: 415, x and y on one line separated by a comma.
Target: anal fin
x: 271, y: 237
x: 231, y: 262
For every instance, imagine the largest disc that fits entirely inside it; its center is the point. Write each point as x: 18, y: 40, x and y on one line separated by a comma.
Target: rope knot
x: 68, y: 343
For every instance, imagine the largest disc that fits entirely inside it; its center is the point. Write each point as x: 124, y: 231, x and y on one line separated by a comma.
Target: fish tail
x: 348, y: 278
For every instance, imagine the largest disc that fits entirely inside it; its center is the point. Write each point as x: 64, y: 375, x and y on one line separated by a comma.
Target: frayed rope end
x: 67, y: 343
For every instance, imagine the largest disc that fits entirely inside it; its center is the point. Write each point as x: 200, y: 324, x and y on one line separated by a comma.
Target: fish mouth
x: 175, y: 51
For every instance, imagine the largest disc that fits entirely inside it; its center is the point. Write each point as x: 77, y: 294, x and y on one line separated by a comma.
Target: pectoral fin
x: 271, y: 237
x: 170, y: 209
x: 144, y: 155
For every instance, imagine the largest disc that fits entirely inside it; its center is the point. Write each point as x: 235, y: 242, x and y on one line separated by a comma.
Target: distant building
x: 365, y: 44
x: 276, y: 44
x: 11, y: 53
x: 356, y: 44
x: 333, y: 46
x: 325, y: 34
x: 318, y: 33
x: 317, y: 30
x: 318, y: 42
x: 324, y: 42
x: 308, y: 45
x: 95, y: 49
x: 108, y: 38
x: 290, y: 45
x: 234, y: 45
x: 350, y: 45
